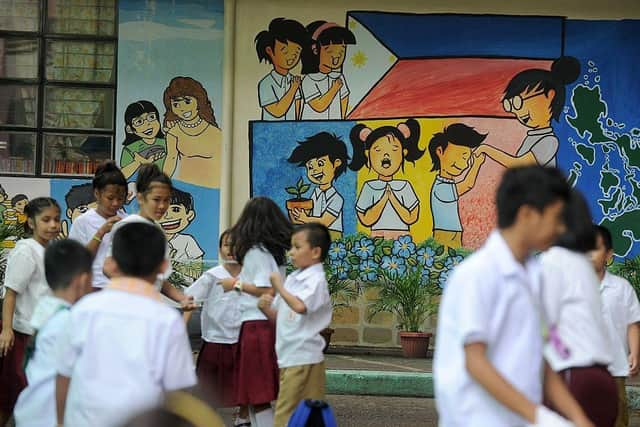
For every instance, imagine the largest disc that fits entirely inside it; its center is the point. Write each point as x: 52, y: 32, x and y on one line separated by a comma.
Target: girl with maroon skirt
x: 24, y: 285
x: 259, y: 242
x: 220, y: 325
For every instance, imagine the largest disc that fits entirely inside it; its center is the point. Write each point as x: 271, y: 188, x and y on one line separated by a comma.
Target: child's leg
x: 293, y: 383
x: 261, y: 415
x: 623, y: 411
x: 314, y: 387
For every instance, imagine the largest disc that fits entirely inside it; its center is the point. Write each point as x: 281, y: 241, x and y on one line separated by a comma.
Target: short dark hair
x: 282, y: 30
x: 605, y: 234
x: 579, y: 235
x: 63, y: 261
x: 225, y: 234
x: 179, y: 197
x: 320, y: 145
x: 535, y: 186
x: 139, y: 249
x: 317, y: 235
x: 17, y: 198
x: 80, y: 195
x: 456, y: 134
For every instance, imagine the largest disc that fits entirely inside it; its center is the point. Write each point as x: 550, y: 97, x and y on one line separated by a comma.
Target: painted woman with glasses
x: 145, y: 141
x: 534, y: 97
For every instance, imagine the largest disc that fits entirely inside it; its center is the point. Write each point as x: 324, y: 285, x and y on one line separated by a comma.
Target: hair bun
x: 565, y: 69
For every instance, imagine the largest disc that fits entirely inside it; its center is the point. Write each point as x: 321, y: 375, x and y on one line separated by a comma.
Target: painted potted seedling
x: 299, y: 202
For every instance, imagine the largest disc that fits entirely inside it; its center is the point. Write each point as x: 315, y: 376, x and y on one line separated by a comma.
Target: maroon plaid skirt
x: 216, y: 369
x: 257, y: 375
x: 12, y: 377
x: 595, y: 390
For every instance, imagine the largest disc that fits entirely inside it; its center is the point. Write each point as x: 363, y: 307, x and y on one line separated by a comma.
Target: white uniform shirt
x: 185, y: 248
x: 36, y: 406
x: 572, y: 303
x: 220, y: 317
x: 25, y: 275
x: 489, y: 298
x: 328, y: 201
x: 620, y: 308
x: 272, y: 89
x: 298, y: 339
x: 82, y: 230
x: 373, y: 190
x: 123, y: 350
x: 315, y: 85
x: 257, y: 265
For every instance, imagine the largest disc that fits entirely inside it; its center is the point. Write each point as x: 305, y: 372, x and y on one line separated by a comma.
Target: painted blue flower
x: 452, y: 262
x: 393, y: 264
x: 340, y: 269
x: 426, y: 256
x: 363, y: 248
x: 337, y: 250
x: 403, y: 247
x: 368, y: 270
x: 442, y: 279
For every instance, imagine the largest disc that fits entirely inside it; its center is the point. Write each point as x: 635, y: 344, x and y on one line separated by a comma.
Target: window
x: 57, y: 86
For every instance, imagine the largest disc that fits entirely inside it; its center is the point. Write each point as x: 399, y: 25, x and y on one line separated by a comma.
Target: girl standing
x: 389, y: 206
x: 25, y: 284
x: 93, y: 228
x: 144, y: 142
x: 259, y: 242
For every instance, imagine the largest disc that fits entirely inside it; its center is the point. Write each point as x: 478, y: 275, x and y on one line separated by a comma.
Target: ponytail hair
x: 362, y: 138
x: 108, y: 173
x: 150, y: 174
x: 35, y: 208
x: 564, y: 70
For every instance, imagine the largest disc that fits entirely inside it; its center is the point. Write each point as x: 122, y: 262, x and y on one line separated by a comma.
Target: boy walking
x: 488, y: 364
x: 301, y: 310
x: 68, y: 272
x: 621, y: 312
x: 124, y: 347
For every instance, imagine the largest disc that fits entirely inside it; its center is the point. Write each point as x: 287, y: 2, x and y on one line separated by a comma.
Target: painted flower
x: 337, y: 250
x: 426, y: 256
x: 403, y: 247
x: 368, y: 270
x: 363, y: 248
x: 443, y: 278
x: 393, y: 264
x: 452, y: 262
x: 340, y: 269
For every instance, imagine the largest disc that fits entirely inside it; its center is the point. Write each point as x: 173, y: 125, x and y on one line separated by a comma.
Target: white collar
x: 308, y: 272
x: 538, y: 132
x: 335, y: 75
x: 279, y: 78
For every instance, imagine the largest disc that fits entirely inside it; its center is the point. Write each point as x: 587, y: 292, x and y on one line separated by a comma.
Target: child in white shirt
x: 488, y: 365
x: 621, y: 312
x: 124, y: 348
x: 68, y: 273
x: 301, y: 309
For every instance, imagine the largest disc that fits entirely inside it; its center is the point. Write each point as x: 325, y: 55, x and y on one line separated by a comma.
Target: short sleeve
x: 545, y: 150
x: 259, y: 265
x: 178, y: 370
x: 193, y: 249
x: 474, y: 309
x: 266, y: 94
x: 632, y: 304
x: 314, y: 294
x: 21, y: 265
x: 199, y: 289
x: 344, y: 90
x: 553, y: 294
x: 365, y: 198
x: 335, y: 205
x: 408, y: 197
x: 125, y: 157
x: 78, y: 232
x: 310, y: 89
x: 445, y: 192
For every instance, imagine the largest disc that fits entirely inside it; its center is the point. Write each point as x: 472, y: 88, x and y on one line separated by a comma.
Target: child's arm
x: 559, y: 396
x: 247, y: 288
x: 292, y: 301
x: 280, y: 107
x: 171, y: 160
x: 322, y: 102
x: 505, y: 159
x: 633, y: 338
x: 62, y: 388
x: 8, y: 307
x: 265, y: 305
x: 186, y: 302
x: 373, y: 212
x: 469, y: 181
x: 407, y: 216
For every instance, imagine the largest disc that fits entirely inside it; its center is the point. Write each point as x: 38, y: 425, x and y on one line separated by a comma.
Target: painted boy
x: 325, y: 158
x: 79, y: 199
x: 279, y: 91
x: 452, y: 155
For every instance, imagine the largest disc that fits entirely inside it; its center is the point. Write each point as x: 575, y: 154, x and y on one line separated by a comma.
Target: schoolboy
x: 621, y: 312
x: 488, y: 364
x: 301, y: 309
x: 124, y: 348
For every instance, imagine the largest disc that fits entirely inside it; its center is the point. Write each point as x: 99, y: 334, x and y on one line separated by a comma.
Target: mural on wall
x: 429, y: 123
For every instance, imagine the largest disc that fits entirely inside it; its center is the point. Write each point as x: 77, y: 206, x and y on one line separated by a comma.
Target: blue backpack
x: 312, y: 413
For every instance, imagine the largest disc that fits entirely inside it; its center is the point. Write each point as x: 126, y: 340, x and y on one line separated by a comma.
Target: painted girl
x: 389, y: 206
x: 144, y: 142
x: 194, y: 140
x: 324, y: 87
x: 534, y: 97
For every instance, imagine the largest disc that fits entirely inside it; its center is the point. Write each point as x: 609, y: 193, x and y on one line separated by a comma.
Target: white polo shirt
x: 220, y: 318
x: 490, y: 298
x: 36, y: 406
x: 257, y: 266
x: 123, y: 350
x: 572, y: 303
x: 620, y: 308
x: 25, y: 275
x: 298, y: 339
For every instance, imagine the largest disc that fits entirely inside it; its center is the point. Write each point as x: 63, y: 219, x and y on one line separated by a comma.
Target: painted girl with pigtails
x: 388, y: 206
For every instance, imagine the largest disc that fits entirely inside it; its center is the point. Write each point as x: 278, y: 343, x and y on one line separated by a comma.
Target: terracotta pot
x: 326, y: 334
x: 306, y: 204
x: 415, y: 344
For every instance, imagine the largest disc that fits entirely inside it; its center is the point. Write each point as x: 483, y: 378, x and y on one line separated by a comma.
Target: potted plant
x: 412, y: 298
x: 299, y: 202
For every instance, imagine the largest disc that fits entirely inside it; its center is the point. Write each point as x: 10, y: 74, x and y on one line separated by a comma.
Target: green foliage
x: 630, y: 270
x: 299, y: 189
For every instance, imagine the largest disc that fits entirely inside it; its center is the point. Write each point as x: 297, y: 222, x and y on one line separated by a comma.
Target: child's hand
x: 299, y: 216
x: 107, y: 226
x: 633, y: 365
x: 336, y: 85
x: 276, y: 280
x: 227, y: 284
x: 6, y: 340
x: 141, y: 160
x: 188, y: 304
x: 265, y: 301
x: 295, y: 83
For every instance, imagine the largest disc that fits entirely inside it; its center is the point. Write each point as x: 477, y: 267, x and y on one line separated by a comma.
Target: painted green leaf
x: 386, y: 250
x: 353, y: 260
x: 292, y: 190
x: 304, y: 188
x: 438, y: 265
x: 452, y: 252
x: 299, y: 183
x: 353, y: 275
x: 439, y: 250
